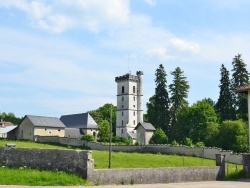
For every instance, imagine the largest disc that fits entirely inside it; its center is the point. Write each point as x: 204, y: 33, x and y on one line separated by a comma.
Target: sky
x: 62, y: 57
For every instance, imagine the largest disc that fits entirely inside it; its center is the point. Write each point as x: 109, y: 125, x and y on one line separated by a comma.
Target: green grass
x: 25, y: 176
x: 146, y: 160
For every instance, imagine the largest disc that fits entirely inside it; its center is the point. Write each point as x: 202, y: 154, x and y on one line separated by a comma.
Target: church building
x: 129, y: 104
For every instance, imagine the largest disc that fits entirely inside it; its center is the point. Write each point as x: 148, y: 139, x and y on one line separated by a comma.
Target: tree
x: 192, y: 121
x: 224, y: 106
x: 159, y: 137
x: 158, y: 106
x: 179, y: 93
x: 103, y: 113
x: 240, y: 77
x: 10, y: 117
x: 103, y: 131
x: 234, y: 136
x: 211, y: 134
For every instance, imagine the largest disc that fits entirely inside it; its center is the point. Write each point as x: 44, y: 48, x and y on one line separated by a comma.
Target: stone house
x: 79, y: 124
x: 31, y: 126
x: 144, y: 132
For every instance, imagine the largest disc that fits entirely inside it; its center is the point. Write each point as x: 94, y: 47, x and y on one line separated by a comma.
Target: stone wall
x: 82, y: 164
x: 48, y: 159
x: 205, y: 152
x: 154, y: 175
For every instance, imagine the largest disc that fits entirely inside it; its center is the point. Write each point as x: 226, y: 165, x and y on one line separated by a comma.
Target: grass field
x: 26, y: 176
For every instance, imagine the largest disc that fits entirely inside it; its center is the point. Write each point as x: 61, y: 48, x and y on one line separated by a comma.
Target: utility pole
x: 110, y: 136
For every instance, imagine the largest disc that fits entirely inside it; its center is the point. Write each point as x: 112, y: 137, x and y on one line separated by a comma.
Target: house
x: 7, y: 132
x: 82, y: 122
x: 144, y: 132
x: 5, y: 127
x: 31, y: 126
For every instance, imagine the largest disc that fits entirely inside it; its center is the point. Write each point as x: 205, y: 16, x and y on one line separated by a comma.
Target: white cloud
x: 184, y: 45
x: 151, y: 2
x: 58, y: 16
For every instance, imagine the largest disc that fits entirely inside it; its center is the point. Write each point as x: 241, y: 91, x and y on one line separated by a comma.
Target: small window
x: 122, y: 113
x: 122, y: 106
x: 122, y: 89
x: 134, y: 113
x: 134, y: 98
x: 134, y: 122
x: 134, y: 106
x: 122, y: 131
x: 122, y: 98
x: 59, y: 130
x: 122, y: 122
x: 133, y: 89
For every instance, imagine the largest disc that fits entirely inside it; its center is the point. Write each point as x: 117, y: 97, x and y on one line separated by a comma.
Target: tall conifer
x: 158, y: 105
x: 224, y: 106
x: 240, y: 77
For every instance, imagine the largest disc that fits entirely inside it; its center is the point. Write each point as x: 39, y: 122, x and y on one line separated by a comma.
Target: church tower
x: 129, y: 103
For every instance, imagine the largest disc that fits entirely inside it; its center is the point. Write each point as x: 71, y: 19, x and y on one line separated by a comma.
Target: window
x: 122, y: 113
x: 122, y: 122
x: 133, y: 89
x: 59, y: 130
x: 134, y: 122
x: 122, y: 98
x: 122, y: 89
x: 134, y: 106
x: 134, y: 98
x: 122, y: 131
x: 122, y: 106
x: 134, y: 113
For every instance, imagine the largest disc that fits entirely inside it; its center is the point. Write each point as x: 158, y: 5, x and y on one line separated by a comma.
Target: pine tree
x: 158, y: 106
x: 240, y: 77
x: 179, y: 93
x: 224, y: 106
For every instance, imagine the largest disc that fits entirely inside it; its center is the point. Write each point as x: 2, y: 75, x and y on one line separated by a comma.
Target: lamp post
x: 110, y: 136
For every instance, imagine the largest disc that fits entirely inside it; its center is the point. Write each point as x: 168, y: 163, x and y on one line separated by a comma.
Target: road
x: 203, y: 184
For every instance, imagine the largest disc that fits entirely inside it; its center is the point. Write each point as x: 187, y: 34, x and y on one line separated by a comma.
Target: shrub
x: 88, y: 137
x: 188, y: 142
x: 200, y: 144
x: 175, y: 143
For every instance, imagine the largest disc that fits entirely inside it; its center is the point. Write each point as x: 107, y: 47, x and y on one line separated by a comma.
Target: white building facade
x: 129, y: 103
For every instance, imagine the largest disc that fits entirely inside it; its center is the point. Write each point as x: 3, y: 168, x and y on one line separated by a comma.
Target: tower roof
x: 128, y: 76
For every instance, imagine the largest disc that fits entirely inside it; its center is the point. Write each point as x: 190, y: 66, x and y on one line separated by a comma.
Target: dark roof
x: 146, y: 126
x: 72, y: 132
x: 243, y: 88
x: 83, y: 120
x: 42, y: 121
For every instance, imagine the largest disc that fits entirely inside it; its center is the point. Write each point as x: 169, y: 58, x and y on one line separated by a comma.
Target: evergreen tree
x: 158, y: 106
x: 179, y: 93
x: 224, y: 106
x: 240, y: 77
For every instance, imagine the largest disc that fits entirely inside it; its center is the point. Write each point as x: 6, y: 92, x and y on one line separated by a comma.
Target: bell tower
x: 129, y: 103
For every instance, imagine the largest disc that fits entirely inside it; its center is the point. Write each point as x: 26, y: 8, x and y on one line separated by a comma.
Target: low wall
x: 205, y: 152
x: 154, y: 175
x: 71, y: 161
x: 82, y: 164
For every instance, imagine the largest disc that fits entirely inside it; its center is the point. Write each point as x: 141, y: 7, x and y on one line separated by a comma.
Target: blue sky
x: 61, y: 57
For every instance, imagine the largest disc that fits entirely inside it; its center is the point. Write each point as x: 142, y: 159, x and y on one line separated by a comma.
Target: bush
x: 200, y: 144
x: 159, y: 137
x: 88, y: 137
x: 121, y: 140
x: 188, y: 142
x: 175, y: 143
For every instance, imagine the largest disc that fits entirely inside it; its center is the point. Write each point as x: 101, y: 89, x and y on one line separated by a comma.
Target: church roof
x: 146, y: 126
x: 83, y: 121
